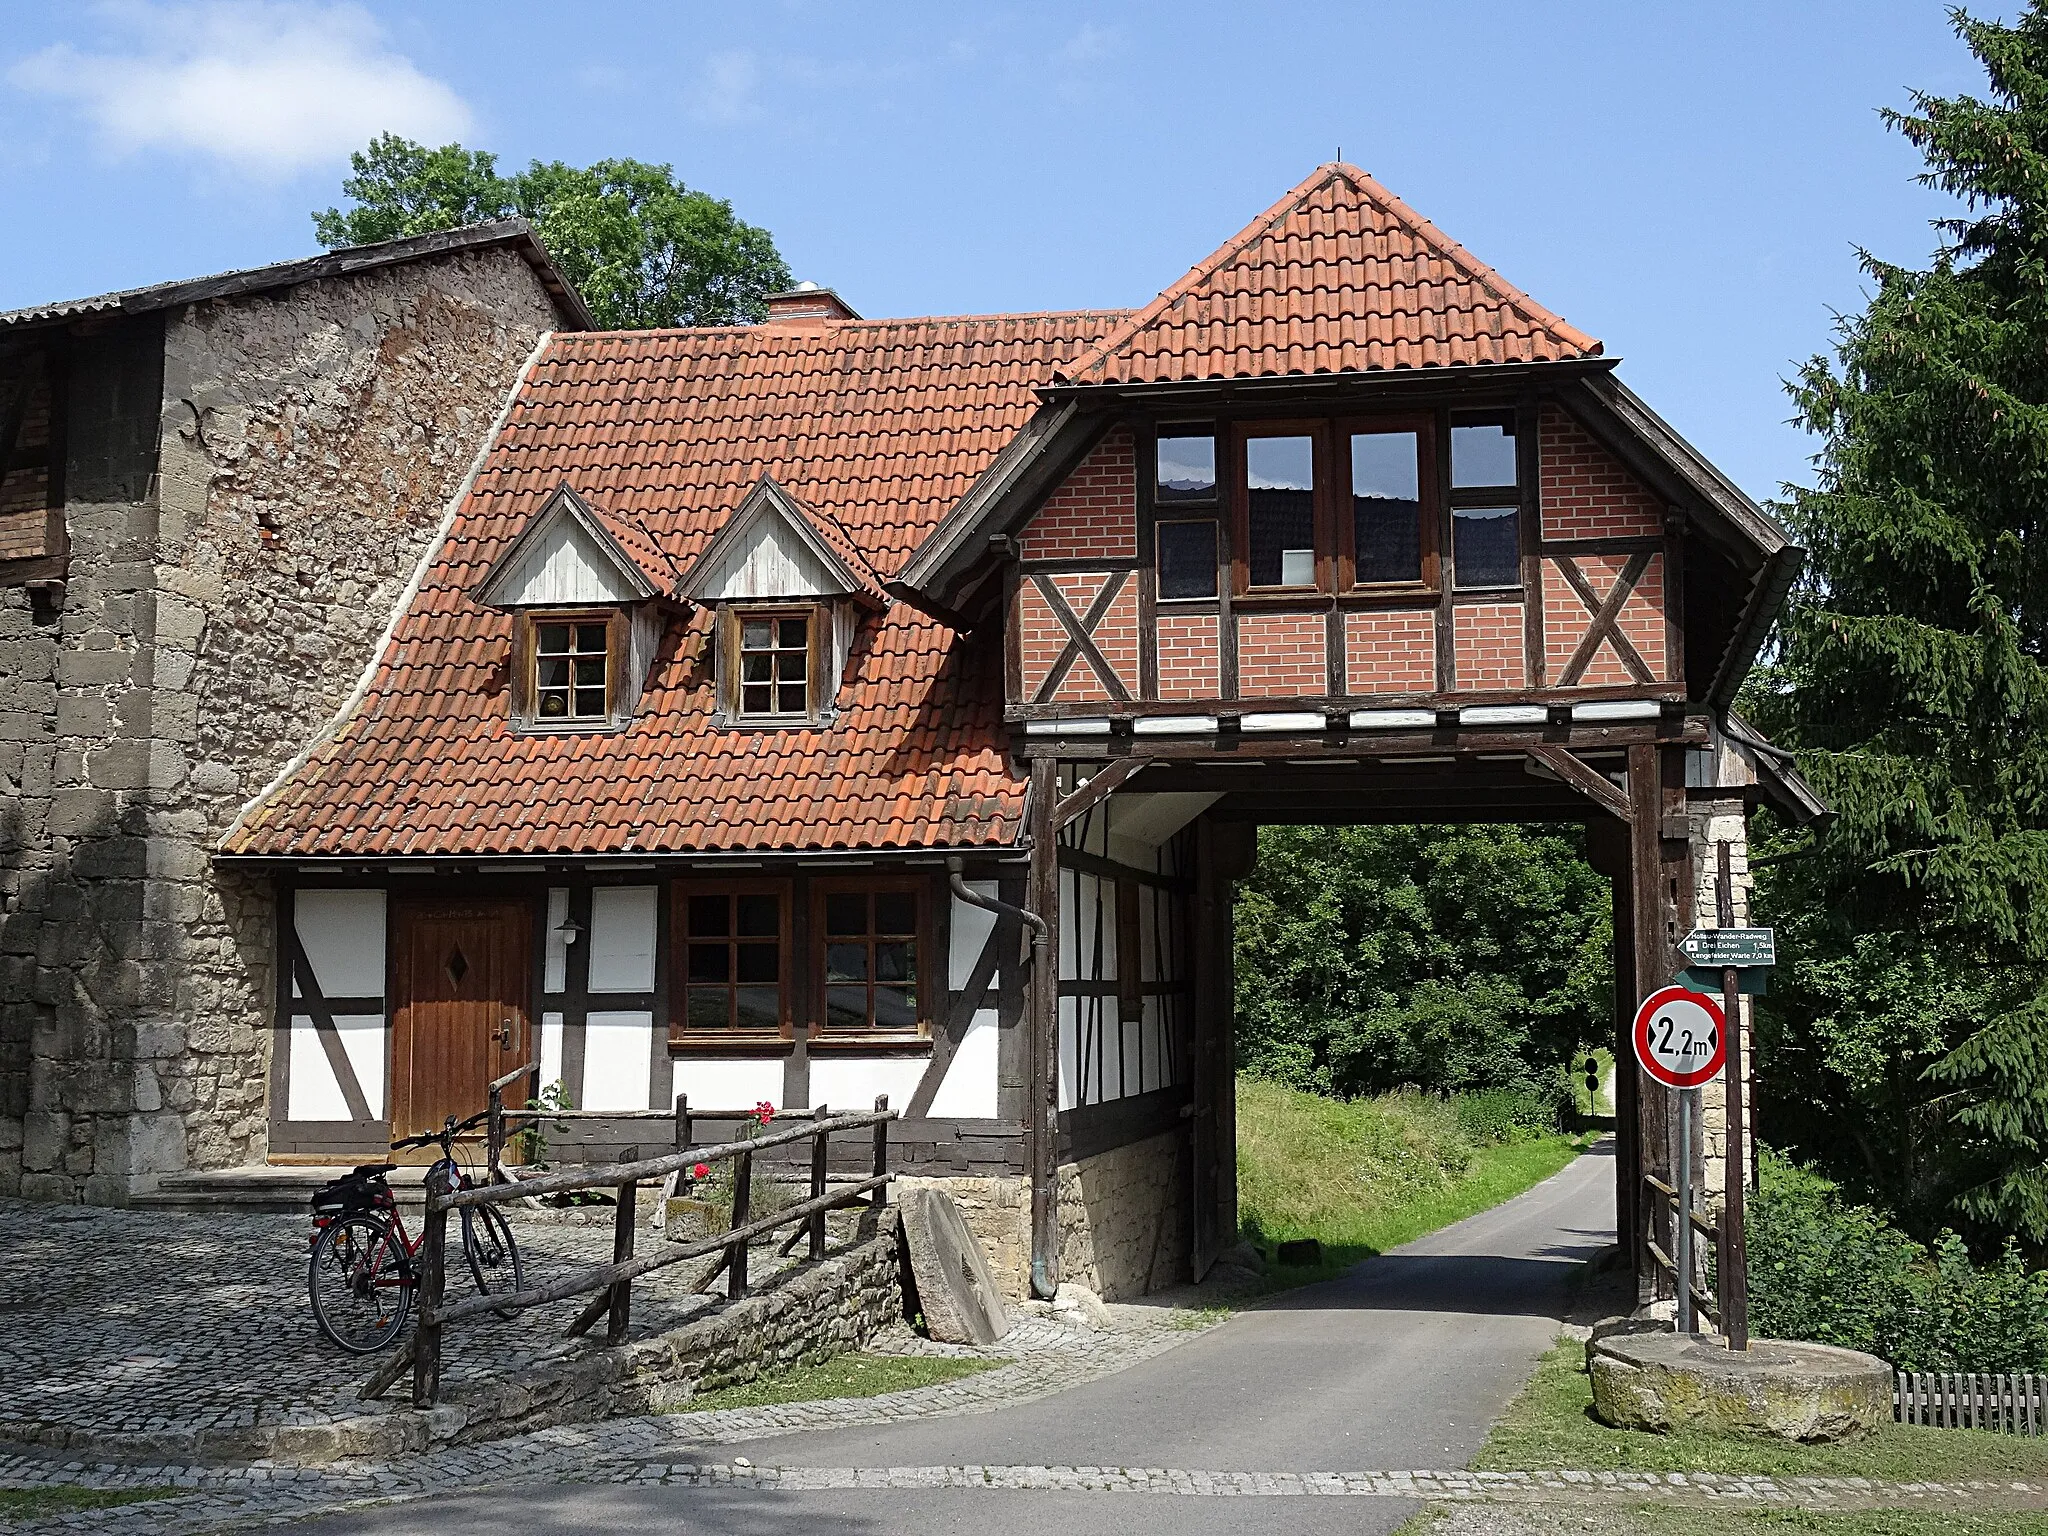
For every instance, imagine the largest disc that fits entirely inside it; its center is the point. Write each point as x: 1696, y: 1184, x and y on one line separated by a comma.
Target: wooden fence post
x: 820, y: 1144
x: 682, y: 1121
x: 426, y: 1349
x: 494, y: 1136
x: 880, y: 1196
x: 742, y: 1200
x: 622, y: 1250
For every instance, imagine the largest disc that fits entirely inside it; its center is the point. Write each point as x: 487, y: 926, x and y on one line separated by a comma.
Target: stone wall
x: 309, y: 442
x: 1714, y: 822
x: 1123, y: 1218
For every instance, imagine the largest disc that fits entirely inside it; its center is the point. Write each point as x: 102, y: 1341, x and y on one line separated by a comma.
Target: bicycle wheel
x: 360, y: 1286
x: 493, y: 1254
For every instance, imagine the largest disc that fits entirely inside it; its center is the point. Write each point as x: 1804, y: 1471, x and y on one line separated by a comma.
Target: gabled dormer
x: 788, y: 589
x: 585, y: 588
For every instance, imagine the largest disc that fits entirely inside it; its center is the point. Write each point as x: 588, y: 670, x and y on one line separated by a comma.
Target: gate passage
x: 1681, y: 1038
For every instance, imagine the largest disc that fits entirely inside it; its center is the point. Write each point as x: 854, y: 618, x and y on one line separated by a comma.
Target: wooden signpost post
x: 1681, y: 1041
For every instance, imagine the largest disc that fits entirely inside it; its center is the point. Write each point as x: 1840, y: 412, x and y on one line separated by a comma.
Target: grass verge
x: 844, y: 1376
x: 33, y: 1503
x: 1362, y: 1176
x: 1551, y: 1426
x: 1663, y: 1520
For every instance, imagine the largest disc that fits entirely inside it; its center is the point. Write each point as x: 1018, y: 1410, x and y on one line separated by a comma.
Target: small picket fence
x: 2003, y: 1404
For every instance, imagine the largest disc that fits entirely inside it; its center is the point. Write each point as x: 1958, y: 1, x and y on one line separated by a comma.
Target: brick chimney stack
x: 807, y: 307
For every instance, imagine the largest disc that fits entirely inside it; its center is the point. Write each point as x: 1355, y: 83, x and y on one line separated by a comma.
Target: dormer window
x: 774, y: 660
x: 572, y: 668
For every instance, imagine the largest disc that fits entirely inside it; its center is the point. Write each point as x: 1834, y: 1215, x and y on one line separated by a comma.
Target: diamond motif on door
x: 458, y: 967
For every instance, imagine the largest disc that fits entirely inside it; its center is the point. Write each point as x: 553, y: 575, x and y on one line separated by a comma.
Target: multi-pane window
x: 1184, y: 499
x: 774, y: 663
x: 1386, y: 506
x: 1280, y: 496
x: 1486, y: 543
x: 869, y: 937
x: 571, y: 660
x: 733, y: 942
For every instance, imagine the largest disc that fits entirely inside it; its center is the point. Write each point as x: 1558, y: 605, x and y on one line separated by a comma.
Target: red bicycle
x: 361, y: 1277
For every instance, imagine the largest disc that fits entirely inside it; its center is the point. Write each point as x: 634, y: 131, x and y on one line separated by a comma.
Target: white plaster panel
x: 564, y: 568
x: 1150, y: 819
x: 729, y: 1083
x: 616, y: 1049
x: 851, y: 1083
x: 342, y: 933
x: 968, y: 1091
x: 971, y: 927
x: 1070, y: 1050
x: 550, y: 1048
x: 555, y: 958
x: 621, y: 938
x: 312, y: 1092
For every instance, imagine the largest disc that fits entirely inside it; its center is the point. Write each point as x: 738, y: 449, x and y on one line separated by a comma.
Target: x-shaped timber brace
x: 1080, y: 636
x: 1606, y: 614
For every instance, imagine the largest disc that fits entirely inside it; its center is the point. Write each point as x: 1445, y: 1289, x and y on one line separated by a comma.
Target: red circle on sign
x: 1668, y: 1033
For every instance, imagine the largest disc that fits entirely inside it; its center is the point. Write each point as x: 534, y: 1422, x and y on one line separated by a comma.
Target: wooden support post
x: 880, y: 1197
x: 742, y: 1202
x: 1734, y: 1248
x: 820, y: 1147
x: 1042, y: 1083
x: 1660, y: 880
x: 426, y: 1348
x: 622, y: 1250
x: 682, y: 1121
x: 1609, y: 850
x: 494, y: 1136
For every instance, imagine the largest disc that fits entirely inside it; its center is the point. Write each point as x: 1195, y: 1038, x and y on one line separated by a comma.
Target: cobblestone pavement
x: 137, y: 1322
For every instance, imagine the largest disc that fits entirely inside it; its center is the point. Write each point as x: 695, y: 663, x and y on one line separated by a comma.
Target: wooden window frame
x: 732, y: 620
x: 1428, y: 496
x: 1239, y: 436
x: 930, y: 979
x: 526, y: 663
x: 1459, y: 498
x: 680, y: 1035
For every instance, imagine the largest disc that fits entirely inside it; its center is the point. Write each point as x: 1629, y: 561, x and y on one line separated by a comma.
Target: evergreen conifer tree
x: 1911, y: 679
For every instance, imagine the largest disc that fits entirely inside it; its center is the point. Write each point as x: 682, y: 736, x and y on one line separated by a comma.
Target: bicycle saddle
x: 374, y: 1170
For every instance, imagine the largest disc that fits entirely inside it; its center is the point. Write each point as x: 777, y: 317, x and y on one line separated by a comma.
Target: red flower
x: 702, y: 1170
x: 764, y: 1111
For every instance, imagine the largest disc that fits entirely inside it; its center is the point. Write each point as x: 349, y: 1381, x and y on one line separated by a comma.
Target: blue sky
x: 1686, y: 182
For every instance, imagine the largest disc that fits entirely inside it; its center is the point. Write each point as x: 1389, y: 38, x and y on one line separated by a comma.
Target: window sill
x: 905, y: 1045
x: 569, y: 727
x: 731, y: 1045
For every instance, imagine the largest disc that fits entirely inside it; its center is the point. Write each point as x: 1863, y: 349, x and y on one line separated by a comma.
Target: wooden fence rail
x: 2002, y: 1403
x: 1664, y: 1200
x: 613, y: 1282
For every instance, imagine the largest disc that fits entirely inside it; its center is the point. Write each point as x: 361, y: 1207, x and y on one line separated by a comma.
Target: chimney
x: 807, y: 307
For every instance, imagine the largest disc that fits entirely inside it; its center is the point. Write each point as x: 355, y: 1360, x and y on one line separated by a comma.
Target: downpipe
x: 1041, y: 945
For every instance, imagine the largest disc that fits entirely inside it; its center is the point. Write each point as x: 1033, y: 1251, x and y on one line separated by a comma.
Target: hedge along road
x: 1401, y: 1363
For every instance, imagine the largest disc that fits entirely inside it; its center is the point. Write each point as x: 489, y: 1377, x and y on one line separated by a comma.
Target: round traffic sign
x: 1680, y: 1037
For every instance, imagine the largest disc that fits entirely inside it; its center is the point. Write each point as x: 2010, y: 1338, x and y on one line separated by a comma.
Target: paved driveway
x: 1402, y: 1363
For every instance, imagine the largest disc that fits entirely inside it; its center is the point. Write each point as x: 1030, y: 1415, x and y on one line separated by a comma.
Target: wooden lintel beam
x: 1595, y: 786
x: 1098, y: 789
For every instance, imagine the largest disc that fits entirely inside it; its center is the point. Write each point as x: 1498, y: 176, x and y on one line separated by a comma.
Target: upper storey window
x: 572, y: 669
x: 775, y: 653
x: 1386, y: 505
x: 1185, y: 503
x: 1280, y: 509
x: 1486, y: 544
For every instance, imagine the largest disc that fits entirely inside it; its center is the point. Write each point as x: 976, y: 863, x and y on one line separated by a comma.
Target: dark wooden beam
x: 1595, y: 785
x: 1098, y: 788
x: 1042, y: 1088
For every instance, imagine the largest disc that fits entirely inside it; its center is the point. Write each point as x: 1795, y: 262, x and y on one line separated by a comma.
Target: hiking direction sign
x: 1680, y: 1037
x: 1713, y: 949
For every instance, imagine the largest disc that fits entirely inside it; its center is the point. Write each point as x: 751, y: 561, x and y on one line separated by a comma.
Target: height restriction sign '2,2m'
x: 1680, y: 1036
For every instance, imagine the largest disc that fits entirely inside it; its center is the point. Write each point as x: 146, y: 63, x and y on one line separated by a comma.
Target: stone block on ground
x: 1077, y: 1304
x: 1776, y: 1389
x: 955, y: 1291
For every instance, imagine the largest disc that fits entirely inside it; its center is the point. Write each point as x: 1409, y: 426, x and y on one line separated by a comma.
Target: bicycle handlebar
x: 446, y: 1134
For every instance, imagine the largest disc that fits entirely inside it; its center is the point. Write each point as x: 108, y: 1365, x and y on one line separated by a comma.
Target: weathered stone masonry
x: 288, y: 456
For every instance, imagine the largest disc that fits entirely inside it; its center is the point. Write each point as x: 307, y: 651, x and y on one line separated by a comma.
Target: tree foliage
x: 643, y: 249
x: 1911, y: 679
x: 1449, y: 958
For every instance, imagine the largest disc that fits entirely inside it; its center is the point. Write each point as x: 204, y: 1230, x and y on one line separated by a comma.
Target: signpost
x: 1681, y: 1041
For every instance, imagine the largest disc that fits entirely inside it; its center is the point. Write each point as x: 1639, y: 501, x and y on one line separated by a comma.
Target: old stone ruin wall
x: 308, y: 444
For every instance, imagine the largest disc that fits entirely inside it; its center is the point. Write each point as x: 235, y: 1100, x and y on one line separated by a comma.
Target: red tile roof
x: 878, y: 426
x: 1339, y: 275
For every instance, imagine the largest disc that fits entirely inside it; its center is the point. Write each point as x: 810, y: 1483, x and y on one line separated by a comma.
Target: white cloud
x: 1092, y: 44
x: 724, y: 90
x: 269, y: 86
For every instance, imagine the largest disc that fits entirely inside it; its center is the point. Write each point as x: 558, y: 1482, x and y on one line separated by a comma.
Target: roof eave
x: 1451, y: 377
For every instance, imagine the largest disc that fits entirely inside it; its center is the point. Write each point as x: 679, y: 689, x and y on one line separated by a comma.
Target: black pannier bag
x: 352, y: 1192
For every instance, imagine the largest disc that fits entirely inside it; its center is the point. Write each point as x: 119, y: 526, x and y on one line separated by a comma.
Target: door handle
x: 505, y: 1035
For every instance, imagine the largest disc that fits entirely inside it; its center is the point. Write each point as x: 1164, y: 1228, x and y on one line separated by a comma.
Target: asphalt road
x: 1400, y: 1364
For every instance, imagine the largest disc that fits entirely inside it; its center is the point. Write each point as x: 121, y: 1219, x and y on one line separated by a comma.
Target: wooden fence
x: 1664, y: 1201
x: 613, y: 1282
x: 2004, y: 1404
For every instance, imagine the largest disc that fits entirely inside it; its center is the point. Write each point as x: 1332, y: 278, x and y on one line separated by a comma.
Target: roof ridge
x: 830, y: 327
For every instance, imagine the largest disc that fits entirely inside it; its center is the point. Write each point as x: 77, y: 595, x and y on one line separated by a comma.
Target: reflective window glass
x: 1186, y: 466
x: 1187, y: 558
x: 1280, y: 490
x: 1482, y: 454
x: 1386, y: 505
x: 870, y: 960
x: 1486, y: 546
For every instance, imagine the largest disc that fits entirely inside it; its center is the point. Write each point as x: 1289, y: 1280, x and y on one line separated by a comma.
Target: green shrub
x: 1495, y: 1115
x: 1835, y: 1273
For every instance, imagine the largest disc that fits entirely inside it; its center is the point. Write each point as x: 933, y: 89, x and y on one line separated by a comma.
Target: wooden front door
x: 462, y: 988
